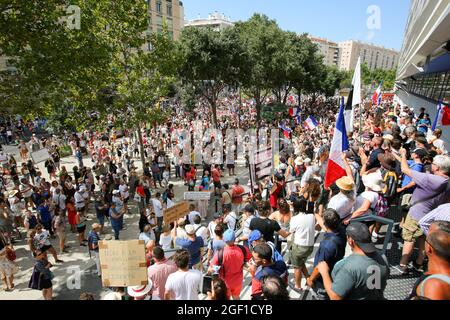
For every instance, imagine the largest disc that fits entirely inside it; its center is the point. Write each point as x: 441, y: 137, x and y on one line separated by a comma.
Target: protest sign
x: 40, y: 155
x: 176, y: 212
x: 197, y: 196
x: 123, y: 263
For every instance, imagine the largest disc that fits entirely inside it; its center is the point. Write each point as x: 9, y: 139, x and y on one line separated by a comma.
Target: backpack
x: 358, y: 183
x: 382, y: 206
x: 220, y: 257
x: 390, y: 179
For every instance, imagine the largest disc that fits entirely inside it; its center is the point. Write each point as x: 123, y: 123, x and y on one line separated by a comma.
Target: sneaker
x: 404, y: 270
x: 418, y: 267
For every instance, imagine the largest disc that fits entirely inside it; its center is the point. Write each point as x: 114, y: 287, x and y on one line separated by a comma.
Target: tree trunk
x: 258, y: 113
x: 141, y: 146
x: 214, y: 112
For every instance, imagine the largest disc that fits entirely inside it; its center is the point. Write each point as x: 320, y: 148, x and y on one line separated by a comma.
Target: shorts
x: 81, y: 229
x: 218, y: 184
x: 230, y: 166
x: 80, y: 209
x: 411, y: 230
x: 126, y: 200
x: 45, y: 248
x: 299, y: 255
x: 101, y: 218
x: 61, y: 234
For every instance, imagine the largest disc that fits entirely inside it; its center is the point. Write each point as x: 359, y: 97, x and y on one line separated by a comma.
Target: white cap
x: 190, y: 229
x: 115, y: 191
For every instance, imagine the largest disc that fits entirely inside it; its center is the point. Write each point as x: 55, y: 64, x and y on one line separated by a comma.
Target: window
x: 159, y: 21
x: 158, y: 6
x: 169, y: 10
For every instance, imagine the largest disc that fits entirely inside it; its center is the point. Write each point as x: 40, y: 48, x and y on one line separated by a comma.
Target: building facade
x: 216, y: 21
x: 330, y: 50
x: 374, y: 57
x: 170, y: 12
x: 423, y: 75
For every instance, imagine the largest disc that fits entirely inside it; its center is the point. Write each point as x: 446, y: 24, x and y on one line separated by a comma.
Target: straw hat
x: 298, y: 161
x: 12, y: 193
x: 345, y: 183
x: 140, y: 291
x: 373, y: 181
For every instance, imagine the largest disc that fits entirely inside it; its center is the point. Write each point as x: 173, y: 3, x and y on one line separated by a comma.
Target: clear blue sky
x: 337, y: 20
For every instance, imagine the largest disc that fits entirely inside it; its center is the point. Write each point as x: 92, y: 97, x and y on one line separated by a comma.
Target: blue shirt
x: 331, y: 248
x: 193, y: 247
x: 407, y: 179
x: 45, y: 213
x: 114, y: 222
x: 93, y: 238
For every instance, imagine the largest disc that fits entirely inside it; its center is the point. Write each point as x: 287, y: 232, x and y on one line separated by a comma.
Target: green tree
x: 210, y: 61
x: 261, y: 39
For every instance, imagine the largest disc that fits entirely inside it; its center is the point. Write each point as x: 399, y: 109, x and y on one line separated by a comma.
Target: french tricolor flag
x: 376, y: 98
x: 293, y: 112
x: 286, y: 130
x: 336, y: 167
x: 442, y: 116
x: 311, y: 123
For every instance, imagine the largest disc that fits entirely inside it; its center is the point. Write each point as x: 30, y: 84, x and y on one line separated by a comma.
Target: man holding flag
x: 339, y: 145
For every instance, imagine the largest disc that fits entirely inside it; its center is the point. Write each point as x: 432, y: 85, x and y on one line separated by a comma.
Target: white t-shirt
x: 192, y: 215
x: 124, y: 191
x: 185, y: 285
x: 231, y: 220
x: 303, y: 226
x: 43, y: 238
x: 165, y: 241
x: 170, y: 203
x: 201, y: 232
x: 157, y: 207
x: 371, y: 196
x: 342, y: 204
x: 62, y: 200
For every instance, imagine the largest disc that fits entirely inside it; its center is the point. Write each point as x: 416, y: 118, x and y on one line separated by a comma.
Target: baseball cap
x: 190, y: 229
x: 255, y: 235
x: 229, y: 236
x: 360, y: 233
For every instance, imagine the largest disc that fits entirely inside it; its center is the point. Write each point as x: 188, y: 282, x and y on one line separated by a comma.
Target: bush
x: 65, y: 151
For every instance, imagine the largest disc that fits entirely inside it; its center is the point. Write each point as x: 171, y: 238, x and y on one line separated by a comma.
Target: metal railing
x: 388, y: 222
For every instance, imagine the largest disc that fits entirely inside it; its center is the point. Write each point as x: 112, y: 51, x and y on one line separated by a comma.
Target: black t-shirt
x: 373, y: 159
x: 266, y: 226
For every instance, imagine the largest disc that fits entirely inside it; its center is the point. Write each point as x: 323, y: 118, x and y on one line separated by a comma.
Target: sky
x: 336, y: 20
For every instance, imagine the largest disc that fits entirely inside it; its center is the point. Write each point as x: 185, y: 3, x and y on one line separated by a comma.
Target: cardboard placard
x: 123, y: 263
x: 40, y: 155
x: 197, y: 195
x: 176, y: 212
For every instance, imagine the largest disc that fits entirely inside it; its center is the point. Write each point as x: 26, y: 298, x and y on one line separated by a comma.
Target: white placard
x: 40, y: 155
x: 197, y: 195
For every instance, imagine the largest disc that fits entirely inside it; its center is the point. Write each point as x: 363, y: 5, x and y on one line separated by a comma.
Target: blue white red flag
x: 339, y: 145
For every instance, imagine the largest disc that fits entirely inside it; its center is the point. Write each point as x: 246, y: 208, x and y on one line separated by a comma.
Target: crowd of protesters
x: 395, y: 168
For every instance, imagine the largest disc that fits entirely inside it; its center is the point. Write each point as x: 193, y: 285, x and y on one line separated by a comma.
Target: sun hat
x: 298, y: 161
x: 373, y: 181
x: 345, y: 183
x: 140, y: 291
x: 116, y: 191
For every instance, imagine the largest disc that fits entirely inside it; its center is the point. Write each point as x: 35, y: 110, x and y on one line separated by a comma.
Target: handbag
x: 137, y: 197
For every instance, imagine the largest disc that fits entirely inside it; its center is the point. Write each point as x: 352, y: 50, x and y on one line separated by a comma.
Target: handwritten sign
x: 197, y: 195
x: 40, y: 155
x: 123, y: 263
x: 176, y: 212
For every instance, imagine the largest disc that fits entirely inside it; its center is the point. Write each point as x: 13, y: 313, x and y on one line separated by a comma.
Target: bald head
x: 439, y: 240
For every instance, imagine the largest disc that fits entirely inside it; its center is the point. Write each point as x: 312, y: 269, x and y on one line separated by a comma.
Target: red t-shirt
x: 231, y: 270
x: 215, y: 175
x: 274, y: 197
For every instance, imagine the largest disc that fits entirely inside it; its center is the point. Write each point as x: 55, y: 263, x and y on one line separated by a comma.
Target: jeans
x: 116, y: 228
x: 96, y: 256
